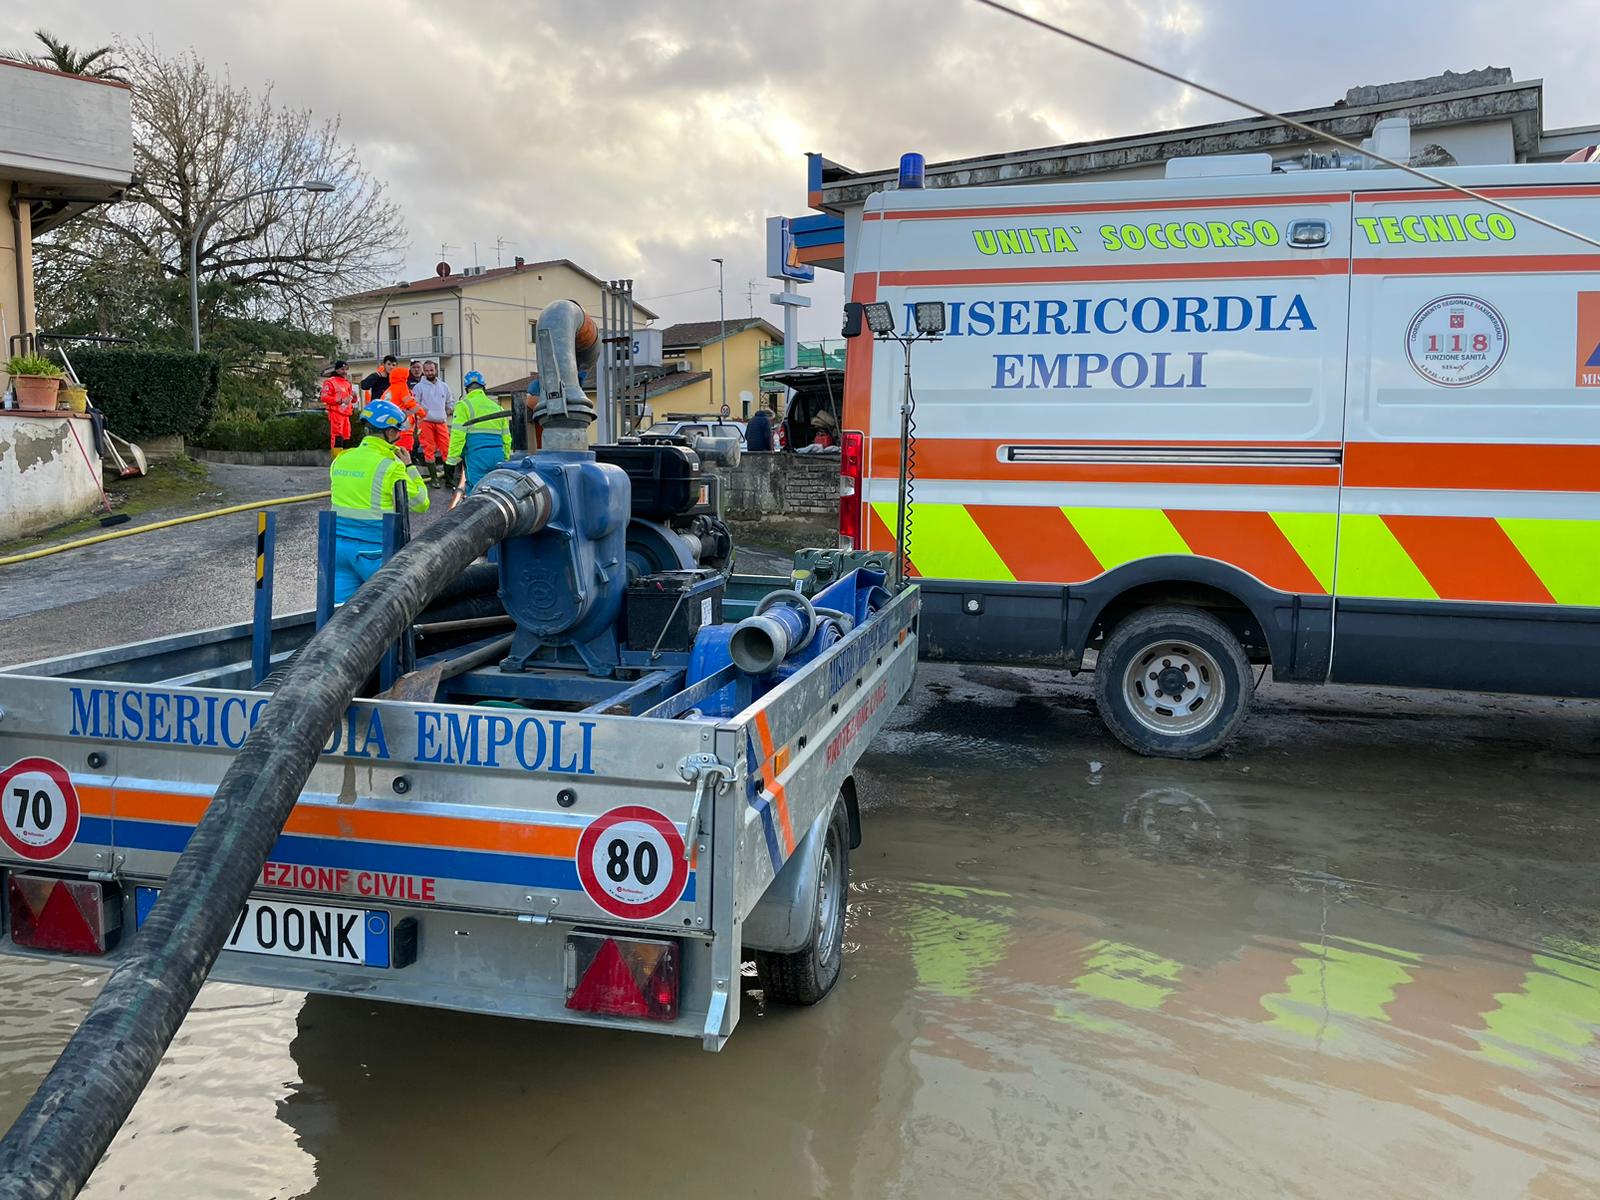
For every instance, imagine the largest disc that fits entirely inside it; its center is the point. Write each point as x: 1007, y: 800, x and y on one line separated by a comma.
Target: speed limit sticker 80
x: 38, y: 809
x: 631, y: 862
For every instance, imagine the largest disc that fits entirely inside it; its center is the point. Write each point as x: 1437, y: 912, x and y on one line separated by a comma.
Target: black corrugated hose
x: 55, y: 1144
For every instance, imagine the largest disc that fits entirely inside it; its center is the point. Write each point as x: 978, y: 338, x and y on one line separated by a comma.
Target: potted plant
x: 36, y: 380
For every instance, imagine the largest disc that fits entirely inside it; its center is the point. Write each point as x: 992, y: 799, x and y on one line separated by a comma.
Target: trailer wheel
x: 1173, y: 683
x: 808, y: 974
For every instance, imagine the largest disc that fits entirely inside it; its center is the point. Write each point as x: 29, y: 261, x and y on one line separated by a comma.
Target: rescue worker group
x: 406, y: 414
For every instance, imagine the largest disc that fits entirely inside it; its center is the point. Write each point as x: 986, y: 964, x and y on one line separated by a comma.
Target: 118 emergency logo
x: 1456, y: 341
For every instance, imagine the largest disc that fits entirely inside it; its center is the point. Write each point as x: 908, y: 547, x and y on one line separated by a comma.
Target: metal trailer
x: 578, y: 866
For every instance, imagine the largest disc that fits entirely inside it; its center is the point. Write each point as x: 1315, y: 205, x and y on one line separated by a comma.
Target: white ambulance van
x: 1338, y: 423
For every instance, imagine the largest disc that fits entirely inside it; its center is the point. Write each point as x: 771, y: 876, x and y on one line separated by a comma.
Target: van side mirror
x: 852, y: 320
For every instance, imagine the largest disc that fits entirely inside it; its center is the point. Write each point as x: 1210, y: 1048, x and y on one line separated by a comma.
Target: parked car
x: 692, y: 429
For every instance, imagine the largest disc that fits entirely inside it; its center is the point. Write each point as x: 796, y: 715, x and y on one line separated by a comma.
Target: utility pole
x: 722, y: 339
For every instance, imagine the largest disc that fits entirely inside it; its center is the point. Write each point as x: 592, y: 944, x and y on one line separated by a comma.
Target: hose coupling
x: 525, y: 499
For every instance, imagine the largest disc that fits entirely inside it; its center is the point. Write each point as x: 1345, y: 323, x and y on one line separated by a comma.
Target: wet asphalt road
x: 1357, y: 955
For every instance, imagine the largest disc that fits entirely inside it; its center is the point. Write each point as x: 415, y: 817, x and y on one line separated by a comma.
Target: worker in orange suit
x: 399, y: 394
x: 338, y: 397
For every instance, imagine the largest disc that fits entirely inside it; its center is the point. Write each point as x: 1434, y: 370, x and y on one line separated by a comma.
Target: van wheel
x: 808, y: 974
x: 1173, y: 683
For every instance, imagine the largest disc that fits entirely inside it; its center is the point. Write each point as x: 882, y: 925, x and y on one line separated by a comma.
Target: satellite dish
x: 442, y: 270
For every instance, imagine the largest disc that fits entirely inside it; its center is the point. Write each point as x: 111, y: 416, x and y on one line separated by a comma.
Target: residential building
x: 1466, y: 118
x: 698, y: 347
x: 480, y: 319
x: 66, y: 145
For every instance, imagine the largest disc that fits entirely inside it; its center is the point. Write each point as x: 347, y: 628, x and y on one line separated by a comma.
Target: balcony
x: 827, y: 353
x: 417, y: 347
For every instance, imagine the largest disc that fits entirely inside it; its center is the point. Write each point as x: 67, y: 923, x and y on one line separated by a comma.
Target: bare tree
x: 200, y: 142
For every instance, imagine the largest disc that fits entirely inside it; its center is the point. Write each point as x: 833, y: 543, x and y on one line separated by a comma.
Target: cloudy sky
x: 642, y: 137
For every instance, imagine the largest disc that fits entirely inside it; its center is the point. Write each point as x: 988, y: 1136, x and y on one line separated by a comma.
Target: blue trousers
x: 354, y: 562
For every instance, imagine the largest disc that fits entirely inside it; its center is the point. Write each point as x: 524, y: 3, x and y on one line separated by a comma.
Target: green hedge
x: 304, y: 432
x: 150, y: 393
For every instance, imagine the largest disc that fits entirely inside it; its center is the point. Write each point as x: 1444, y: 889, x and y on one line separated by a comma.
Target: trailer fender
x: 781, y: 919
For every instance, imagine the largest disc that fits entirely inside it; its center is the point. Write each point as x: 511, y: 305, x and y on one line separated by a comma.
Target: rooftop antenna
x: 445, y: 248
x: 500, y: 244
x: 750, y: 296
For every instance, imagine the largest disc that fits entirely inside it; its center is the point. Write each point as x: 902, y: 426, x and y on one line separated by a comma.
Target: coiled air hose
x: 55, y: 1144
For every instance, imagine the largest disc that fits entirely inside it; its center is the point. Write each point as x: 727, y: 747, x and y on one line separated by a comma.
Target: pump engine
x: 621, y: 514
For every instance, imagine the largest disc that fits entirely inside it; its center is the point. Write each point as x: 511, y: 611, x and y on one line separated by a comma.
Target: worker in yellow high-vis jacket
x: 363, y: 484
x: 480, y: 434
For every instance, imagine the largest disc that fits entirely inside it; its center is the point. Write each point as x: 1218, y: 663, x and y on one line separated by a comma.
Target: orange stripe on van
x: 1468, y: 558
x: 1499, y: 193
x: 857, y: 407
x: 415, y: 829
x: 1479, y: 264
x: 1478, y: 467
x: 1119, y: 272
x: 1038, y: 544
x: 1042, y: 210
x: 1250, y: 541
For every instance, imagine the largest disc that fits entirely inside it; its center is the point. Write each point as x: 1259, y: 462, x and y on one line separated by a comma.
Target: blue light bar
x: 911, y: 170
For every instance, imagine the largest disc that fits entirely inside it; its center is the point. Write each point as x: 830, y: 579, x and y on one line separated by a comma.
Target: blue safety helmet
x: 383, y: 414
x: 473, y: 379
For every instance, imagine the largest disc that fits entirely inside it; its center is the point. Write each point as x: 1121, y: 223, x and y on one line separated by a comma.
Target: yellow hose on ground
x: 122, y: 533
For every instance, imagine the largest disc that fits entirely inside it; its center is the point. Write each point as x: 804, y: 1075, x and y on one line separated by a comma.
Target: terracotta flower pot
x: 36, y: 392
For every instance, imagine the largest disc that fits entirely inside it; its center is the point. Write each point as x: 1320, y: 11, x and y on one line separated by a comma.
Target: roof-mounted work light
x: 929, y: 315
x: 880, y: 317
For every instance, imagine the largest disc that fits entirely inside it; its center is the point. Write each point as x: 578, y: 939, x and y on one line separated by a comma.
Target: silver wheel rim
x: 1174, y: 688
x: 830, y: 898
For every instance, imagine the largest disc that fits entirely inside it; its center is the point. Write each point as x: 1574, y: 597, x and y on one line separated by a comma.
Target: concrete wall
x: 781, y: 484
x: 43, y: 477
x: 55, y: 126
x: 16, y: 308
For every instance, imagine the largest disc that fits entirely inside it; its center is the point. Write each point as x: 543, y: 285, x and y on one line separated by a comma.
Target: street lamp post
x: 306, y: 185
x: 377, y: 331
x: 722, y: 337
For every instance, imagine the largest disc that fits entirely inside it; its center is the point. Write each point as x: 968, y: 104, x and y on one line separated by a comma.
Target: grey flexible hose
x: 55, y: 1143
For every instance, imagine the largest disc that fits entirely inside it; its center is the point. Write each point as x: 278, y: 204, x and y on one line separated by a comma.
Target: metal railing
x: 417, y: 347
x: 827, y: 353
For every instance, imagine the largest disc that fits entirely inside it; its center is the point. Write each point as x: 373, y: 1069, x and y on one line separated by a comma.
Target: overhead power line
x: 1426, y: 176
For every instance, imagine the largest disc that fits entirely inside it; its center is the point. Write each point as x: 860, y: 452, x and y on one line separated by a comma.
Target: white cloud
x: 643, y: 137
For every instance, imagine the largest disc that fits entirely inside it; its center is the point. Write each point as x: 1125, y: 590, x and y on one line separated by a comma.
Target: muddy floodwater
x: 1358, y: 956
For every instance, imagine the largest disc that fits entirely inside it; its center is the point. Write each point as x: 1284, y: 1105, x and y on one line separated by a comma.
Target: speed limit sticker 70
x: 38, y: 809
x: 631, y: 862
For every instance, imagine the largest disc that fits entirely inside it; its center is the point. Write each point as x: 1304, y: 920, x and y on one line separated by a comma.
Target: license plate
x: 289, y: 929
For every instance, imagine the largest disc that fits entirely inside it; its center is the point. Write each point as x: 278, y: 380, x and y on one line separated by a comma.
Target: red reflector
x: 851, y: 486
x: 613, y: 977
x: 70, y: 916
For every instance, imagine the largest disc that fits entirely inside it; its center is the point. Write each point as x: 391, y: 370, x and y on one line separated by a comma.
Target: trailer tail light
x: 852, y: 487
x: 622, y: 977
x: 70, y: 916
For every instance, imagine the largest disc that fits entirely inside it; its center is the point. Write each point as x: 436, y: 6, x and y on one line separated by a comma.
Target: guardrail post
x: 261, y: 628
x: 325, y: 565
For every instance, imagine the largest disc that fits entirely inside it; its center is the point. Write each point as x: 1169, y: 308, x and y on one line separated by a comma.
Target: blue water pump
x: 564, y: 586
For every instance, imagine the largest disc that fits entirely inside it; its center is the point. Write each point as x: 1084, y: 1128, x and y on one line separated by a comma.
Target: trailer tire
x: 808, y: 974
x: 1147, y: 655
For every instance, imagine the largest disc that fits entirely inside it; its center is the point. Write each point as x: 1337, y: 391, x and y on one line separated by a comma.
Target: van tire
x: 1149, y: 653
x: 808, y: 974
